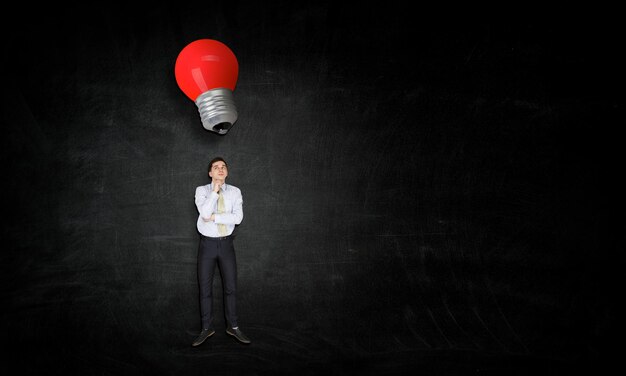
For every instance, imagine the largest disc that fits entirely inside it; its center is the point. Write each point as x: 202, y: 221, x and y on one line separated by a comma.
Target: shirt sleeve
x: 205, y: 201
x: 236, y: 216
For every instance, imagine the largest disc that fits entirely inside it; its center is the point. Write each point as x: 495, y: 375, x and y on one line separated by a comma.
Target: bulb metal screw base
x: 217, y: 110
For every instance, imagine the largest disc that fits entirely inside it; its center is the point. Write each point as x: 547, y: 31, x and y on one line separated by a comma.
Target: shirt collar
x: 224, y: 186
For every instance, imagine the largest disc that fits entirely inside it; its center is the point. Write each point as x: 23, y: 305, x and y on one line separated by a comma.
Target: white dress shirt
x: 206, y: 202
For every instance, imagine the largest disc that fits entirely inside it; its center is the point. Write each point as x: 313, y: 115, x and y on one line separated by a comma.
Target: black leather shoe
x: 204, y: 334
x: 238, y: 335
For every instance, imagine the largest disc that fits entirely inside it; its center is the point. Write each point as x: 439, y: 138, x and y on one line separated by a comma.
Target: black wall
x: 422, y: 191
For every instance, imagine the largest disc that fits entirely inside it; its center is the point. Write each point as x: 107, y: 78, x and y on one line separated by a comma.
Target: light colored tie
x: 221, y: 208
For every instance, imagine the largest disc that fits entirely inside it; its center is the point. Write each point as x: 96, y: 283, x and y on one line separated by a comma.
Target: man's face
x: 219, y: 171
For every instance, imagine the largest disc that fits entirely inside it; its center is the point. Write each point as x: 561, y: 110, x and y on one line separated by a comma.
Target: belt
x: 217, y: 237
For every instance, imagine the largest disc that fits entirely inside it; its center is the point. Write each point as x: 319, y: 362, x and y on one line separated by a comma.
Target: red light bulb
x: 206, y: 71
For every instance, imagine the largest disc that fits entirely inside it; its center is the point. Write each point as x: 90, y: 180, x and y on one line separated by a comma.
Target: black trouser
x: 222, y: 251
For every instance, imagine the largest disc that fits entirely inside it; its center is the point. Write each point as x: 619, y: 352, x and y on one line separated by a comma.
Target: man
x: 220, y: 208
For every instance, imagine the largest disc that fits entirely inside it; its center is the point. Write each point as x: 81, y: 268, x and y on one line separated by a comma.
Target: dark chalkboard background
x: 422, y: 191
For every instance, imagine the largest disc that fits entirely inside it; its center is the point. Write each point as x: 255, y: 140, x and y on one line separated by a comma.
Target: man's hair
x: 216, y: 159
